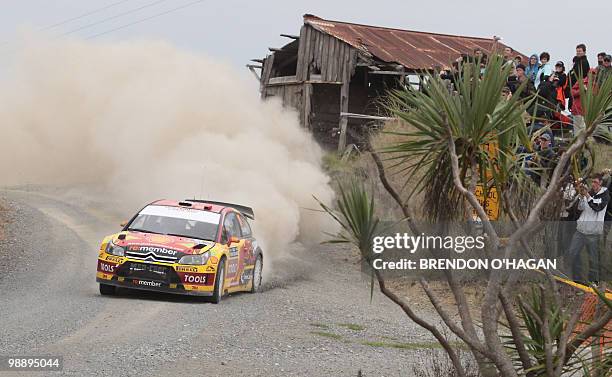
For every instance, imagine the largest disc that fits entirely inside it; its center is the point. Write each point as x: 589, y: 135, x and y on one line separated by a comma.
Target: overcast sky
x: 237, y: 31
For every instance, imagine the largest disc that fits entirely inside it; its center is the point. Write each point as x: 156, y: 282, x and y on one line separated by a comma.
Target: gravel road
x: 314, y: 318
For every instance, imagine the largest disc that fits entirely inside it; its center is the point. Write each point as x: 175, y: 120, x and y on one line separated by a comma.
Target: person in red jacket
x: 577, y: 105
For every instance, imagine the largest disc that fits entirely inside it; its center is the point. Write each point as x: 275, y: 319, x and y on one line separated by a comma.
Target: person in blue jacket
x: 533, y: 65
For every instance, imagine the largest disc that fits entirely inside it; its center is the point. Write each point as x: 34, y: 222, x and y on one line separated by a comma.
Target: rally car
x: 192, y: 247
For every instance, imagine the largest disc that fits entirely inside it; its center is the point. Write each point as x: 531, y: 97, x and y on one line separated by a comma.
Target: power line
x: 113, y: 17
x: 98, y: 10
x: 122, y: 26
x: 145, y: 19
x: 83, y: 15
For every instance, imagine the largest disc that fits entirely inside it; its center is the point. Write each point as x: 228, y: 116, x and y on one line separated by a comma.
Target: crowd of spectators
x: 586, y: 216
x: 557, y: 103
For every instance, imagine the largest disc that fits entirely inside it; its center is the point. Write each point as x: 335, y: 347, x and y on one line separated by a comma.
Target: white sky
x: 237, y: 31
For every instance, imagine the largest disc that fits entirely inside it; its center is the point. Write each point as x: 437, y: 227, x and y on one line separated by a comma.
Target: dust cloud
x: 144, y: 120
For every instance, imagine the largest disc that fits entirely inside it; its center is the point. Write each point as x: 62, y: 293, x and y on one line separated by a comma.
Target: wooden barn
x: 334, y: 72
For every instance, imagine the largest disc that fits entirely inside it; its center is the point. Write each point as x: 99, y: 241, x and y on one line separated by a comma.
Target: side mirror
x: 233, y: 239
x: 123, y: 223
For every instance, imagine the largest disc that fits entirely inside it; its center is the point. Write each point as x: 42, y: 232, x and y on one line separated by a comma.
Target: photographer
x: 589, y: 227
x: 568, y: 215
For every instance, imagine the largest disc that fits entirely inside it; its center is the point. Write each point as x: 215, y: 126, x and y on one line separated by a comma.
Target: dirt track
x: 312, y: 319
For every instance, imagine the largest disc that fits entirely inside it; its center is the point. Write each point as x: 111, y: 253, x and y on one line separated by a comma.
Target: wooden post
x: 347, y: 66
x: 306, y: 105
x: 265, y: 74
x: 344, y: 97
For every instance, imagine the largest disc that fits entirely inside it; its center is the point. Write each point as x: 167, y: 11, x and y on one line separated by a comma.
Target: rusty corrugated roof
x: 415, y: 50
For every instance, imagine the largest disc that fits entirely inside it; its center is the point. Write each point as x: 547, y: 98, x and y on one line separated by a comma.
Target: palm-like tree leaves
x: 476, y: 115
x: 356, y: 217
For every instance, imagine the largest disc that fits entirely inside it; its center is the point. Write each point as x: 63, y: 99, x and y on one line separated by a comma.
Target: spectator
x: 577, y: 105
x: 478, y: 55
x: 508, y: 59
x: 506, y: 93
x: 538, y: 164
x: 589, y: 228
x: 607, y: 182
x: 581, y: 65
x: 546, y: 154
x: 546, y: 101
x: 600, y: 59
x: 561, y: 84
x: 579, y: 69
x: 545, y: 70
x: 518, y: 59
x: 507, y: 53
x: 454, y: 73
x: 569, y: 215
x: 532, y: 67
x: 605, y: 70
x: 522, y: 79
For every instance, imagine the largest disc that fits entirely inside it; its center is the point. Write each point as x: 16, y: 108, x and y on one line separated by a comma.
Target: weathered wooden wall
x: 295, y: 95
x: 322, y: 60
x: 323, y: 54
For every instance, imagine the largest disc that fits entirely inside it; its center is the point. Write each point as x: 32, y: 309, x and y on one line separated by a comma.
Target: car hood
x: 161, y: 242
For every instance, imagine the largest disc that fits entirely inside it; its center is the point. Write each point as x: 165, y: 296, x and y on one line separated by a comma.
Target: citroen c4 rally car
x: 192, y: 247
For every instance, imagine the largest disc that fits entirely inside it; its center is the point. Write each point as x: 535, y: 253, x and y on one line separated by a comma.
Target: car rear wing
x: 246, y: 211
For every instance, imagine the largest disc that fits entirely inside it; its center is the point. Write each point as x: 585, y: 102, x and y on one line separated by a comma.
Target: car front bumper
x: 150, y: 285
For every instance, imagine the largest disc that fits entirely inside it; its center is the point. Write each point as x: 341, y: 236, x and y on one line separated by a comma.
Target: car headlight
x: 113, y: 249
x: 195, y: 258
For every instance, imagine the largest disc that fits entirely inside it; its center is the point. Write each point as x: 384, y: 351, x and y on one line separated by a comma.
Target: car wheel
x: 107, y: 290
x: 219, y: 283
x: 256, y: 277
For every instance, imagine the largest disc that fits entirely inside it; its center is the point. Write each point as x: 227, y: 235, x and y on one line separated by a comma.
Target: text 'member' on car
x: 191, y: 247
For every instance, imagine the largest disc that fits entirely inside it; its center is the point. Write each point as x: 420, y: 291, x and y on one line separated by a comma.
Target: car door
x: 235, y: 263
x: 249, y: 242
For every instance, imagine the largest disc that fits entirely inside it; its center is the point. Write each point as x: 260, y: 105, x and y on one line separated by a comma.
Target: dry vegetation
x: 603, y: 156
x: 3, y: 220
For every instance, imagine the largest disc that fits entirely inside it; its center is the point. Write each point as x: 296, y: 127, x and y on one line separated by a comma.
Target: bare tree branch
x: 382, y: 175
x: 551, y: 280
x: 463, y: 308
x: 548, y: 353
x: 421, y: 322
x: 517, y: 336
x: 490, y: 310
x: 567, y: 332
x: 469, y: 195
x: 473, y: 343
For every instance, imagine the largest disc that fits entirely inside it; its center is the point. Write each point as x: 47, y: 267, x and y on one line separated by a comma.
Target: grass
x: 407, y: 346
x: 388, y: 342
x: 320, y: 325
x: 327, y: 334
x: 603, y: 156
x: 352, y: 326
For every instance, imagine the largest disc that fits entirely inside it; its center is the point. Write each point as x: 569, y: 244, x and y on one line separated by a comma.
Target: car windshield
x: 177, y: 221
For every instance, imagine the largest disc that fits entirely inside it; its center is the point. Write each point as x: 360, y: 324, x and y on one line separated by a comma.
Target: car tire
x: 257, y: 275
x: 219, y: 283
x: 107, y: 290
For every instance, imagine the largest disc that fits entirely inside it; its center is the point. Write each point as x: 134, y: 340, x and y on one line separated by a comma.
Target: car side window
x: 232, y: 226
x: 224, y: 234
x: 244, y: 226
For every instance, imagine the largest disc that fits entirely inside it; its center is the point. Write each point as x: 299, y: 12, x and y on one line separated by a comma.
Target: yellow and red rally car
x: 192, y: 247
